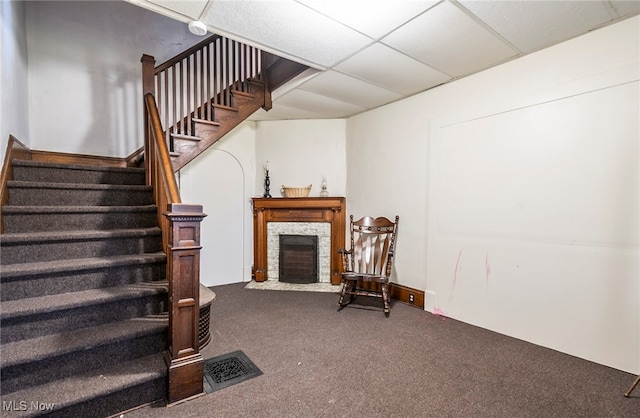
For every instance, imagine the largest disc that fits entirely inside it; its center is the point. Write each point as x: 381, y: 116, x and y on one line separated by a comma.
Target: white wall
x: 85, y: 72
x: 226, y: 176
x: 300, y: 153
x: 518, y: 195
x: 14, y: 119
x: 222, y: 180
x: 517, y: 188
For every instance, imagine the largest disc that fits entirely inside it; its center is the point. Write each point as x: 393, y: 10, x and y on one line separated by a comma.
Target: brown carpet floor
x: 318, y: 362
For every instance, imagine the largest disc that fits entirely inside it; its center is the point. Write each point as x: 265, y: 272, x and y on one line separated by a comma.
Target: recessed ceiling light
x: 197, y: 28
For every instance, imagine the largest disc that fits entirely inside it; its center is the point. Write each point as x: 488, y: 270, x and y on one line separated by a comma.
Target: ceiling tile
x: 316, y: 103
x: 449, y: 40
x: 192, y: 8
x: 367, y: 53
x: 531, y: 25
x: 350, y: 90
x: 623, y: 7
x: 287, y: 26
x: 392, y: 70
x: 373, y: 18
x: 282, y: 112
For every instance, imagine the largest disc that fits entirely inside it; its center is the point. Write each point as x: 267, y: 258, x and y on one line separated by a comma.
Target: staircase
x: 84, y: 301
x: 99, y: 264
x: 209, y: 89
x: 205, y: 133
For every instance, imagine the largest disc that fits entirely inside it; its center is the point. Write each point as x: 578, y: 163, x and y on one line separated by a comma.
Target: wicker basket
x: 296, y: 191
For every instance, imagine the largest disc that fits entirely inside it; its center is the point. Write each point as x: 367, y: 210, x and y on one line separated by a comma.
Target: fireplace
x: 298, y: 259
x: 320, y: 230
x: 323, y: 217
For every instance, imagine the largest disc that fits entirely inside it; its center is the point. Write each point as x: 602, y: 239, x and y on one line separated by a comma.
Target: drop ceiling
x: 363, y: 54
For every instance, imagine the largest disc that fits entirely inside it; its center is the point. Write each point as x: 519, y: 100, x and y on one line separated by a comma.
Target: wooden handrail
x: 165, y: 65
x: 193, y: 84
x: 182, y: 93
x: 162, y: 152
x: 180, y: 225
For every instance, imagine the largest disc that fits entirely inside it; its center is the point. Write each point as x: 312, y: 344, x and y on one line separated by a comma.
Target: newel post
x: 148, y: 86
x: 184, y: 361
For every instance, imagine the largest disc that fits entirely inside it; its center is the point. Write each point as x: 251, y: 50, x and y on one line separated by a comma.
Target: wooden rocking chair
x: 367, y: 265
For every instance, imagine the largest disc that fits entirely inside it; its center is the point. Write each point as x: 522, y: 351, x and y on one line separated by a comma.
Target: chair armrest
x: 389, y: 264
x: 346, y: 259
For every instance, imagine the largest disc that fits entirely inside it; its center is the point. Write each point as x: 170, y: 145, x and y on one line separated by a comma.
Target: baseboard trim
x: 399, y: 292
x: 403, y: 294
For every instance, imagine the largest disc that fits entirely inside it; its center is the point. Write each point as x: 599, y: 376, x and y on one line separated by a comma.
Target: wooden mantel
x: 298, y: 209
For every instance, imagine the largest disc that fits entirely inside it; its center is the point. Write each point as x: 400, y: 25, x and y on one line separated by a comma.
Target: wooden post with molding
x: 184, y: 361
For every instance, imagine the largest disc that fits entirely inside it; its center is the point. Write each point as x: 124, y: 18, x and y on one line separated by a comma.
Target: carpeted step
x: 24, y: 170
x: 98, y: 393
x: 49, y: 246
x: 19, y: 219
x: 36, y: 361
x: 36, y: 317
x: 83, y: 290
x: 28, y: 280
x: 28, y: 193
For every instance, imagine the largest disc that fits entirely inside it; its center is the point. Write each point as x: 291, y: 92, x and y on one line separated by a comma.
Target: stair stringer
x: 208, y: 133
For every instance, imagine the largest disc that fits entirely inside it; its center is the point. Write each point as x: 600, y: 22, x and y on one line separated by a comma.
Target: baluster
x: 202, y: 99
x: 196, y: 85
x: 216, y: 72
x: 183, y: 128
x: 196, y: 95
x: 240, y: 64
x: 166, y: 108
x: 189, y: 106
x: 208, y: 80
x: 233, y: 63
x: 249, y: 65
x: 174, y: 113
x: 226, y: 74
x: 159, y: 94
x: 245, y: 69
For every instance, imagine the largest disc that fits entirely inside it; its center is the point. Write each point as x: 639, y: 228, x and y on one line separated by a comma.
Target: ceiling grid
x: 367, y: 53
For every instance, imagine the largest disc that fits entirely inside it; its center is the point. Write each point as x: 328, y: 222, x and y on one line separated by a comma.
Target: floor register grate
x: 228, y: 369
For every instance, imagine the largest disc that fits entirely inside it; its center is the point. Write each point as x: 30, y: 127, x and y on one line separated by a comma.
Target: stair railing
x: 189, y: 86
x: 180, y: 225
x: 178, y: 93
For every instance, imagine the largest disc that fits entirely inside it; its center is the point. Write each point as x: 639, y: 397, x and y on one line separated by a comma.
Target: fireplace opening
x: 298, y: 258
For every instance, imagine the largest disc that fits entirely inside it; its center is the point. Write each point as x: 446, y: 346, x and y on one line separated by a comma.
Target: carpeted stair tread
x: 18, y: 248
x: 34, y: 349
x: 75, y: 173
x: 85, y: 388
x: 76, y: 186
x: 50, y: 303
x: 20, y: 219
x: 70, y: 210
x: 83, y: 290
x: 73, y: 265
x: 62, y: 236
x: 85, y: 167
x: 46, y: 193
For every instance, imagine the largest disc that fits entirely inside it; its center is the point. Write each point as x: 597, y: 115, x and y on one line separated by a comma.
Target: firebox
x: 298, y: 258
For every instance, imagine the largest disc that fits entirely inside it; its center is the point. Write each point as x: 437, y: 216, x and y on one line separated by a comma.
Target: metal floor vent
x: 228, y: 369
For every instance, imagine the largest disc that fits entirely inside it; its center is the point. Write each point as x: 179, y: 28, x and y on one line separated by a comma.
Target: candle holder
x: 267, y: 182
x: 323, y: 188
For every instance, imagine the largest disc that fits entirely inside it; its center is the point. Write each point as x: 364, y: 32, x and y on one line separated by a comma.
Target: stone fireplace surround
x: 306, y: 215
x: 320, y: 229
